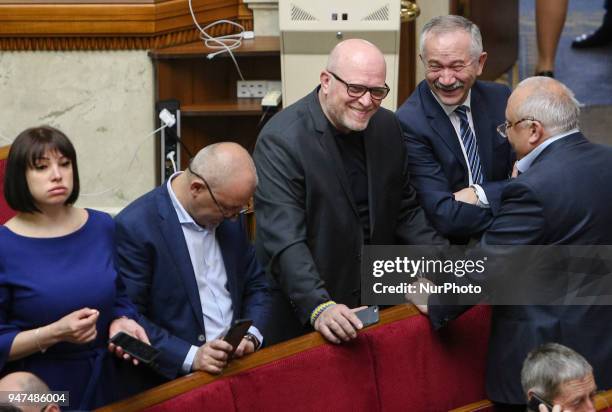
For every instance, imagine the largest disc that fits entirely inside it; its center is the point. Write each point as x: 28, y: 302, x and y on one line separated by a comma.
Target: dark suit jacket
x: 563, y: 199
x: 436, y: 163
x: 154, y: 263
x: 308, y: 231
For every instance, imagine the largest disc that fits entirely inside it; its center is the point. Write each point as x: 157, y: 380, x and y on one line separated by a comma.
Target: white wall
x: 103, y: 101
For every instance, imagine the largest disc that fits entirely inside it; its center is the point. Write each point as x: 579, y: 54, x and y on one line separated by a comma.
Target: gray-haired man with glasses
x: 332, y: 179
x: 458, y: 163
x: 562, y: 196
x: 187, y: 264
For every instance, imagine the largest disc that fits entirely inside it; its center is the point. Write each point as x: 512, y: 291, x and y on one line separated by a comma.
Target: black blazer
x: 437, y: 165
x: 564, y: 198
x: 309, y: 236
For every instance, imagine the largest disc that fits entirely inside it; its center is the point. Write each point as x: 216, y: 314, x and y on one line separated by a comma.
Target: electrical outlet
x: 257, y: 88
x: 252, y: 88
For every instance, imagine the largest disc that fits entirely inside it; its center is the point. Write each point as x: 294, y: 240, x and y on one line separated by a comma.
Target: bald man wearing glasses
x: 332, y: 178
x: 184, y: 256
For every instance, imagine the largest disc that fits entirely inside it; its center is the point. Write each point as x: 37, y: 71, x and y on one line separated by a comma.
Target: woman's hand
x: 77, y: 327
x: 130, y: 327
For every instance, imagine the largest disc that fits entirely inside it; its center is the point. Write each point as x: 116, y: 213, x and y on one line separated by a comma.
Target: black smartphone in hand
x: 236, y: 332
x: 535, y: 401
x: 135, y: 348
x: 368, y: 316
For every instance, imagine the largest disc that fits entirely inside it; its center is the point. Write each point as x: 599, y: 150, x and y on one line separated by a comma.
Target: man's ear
x: 195, y: 187
x: 536, y: 133
x: 325, y: 80
x: 481, y: 62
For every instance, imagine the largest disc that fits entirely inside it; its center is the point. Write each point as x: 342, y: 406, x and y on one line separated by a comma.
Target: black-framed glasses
x: 358, y: 90
x: 503, y: 128
x: 245, y: 210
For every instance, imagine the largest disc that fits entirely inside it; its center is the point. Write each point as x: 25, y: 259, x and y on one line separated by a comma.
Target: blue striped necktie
x: 470, y: 145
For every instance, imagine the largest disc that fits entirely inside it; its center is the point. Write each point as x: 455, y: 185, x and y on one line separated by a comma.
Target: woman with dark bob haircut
x: 60, y: 297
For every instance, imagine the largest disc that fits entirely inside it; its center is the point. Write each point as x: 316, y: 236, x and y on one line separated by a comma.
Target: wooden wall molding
x: 117, y: 26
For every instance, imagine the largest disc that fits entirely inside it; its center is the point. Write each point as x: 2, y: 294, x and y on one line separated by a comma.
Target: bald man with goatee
x: 332, y: 178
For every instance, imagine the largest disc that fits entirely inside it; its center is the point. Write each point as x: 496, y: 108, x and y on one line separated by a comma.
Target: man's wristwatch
x: 253, y: 339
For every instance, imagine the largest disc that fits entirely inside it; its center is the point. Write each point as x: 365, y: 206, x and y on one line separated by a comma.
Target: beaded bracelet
x: 319, y: 309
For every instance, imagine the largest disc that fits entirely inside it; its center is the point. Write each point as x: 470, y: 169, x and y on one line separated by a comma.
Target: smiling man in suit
x: 184, y: 256
x: 458, y: 163
x: 332, y: 178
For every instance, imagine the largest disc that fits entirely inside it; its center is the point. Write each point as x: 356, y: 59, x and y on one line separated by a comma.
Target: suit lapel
x: 330, y: 149
x: 177, y: 248
x: 440, y: 123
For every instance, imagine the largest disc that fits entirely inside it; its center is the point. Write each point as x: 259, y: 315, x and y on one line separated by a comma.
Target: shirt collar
x: 450, y: 109
x: 184, y: 218
x: 525, y: 163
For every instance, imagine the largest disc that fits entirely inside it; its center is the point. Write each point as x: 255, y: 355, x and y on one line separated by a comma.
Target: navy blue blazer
x: 153, y: 261
x: 436, y: 163
x: 563, y: 198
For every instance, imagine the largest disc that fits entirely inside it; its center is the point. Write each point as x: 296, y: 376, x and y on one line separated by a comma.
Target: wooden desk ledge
x: 4, y: 151
x: 267, y: 355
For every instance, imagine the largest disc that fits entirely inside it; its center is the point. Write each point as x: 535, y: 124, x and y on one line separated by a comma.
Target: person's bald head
x: 225, y: 164
x: 539, y: 108
x: 26, y: 382
x: 549, y: 101
x: 218, y: 184
x: 22, y: 381
x: 358, y: 62
x: 357, y: 53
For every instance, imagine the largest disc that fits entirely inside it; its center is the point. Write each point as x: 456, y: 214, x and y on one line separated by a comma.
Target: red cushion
x: 329, y: 377
x: 216, y: 396
x: 418, y: 369
x: 5, y: 211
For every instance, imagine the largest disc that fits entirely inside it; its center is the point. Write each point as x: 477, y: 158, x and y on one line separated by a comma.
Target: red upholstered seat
x: 418, y: 369
x: 216, y: 396
x: 327, y: 378
x: 397, y: 366
x: 5, y: 211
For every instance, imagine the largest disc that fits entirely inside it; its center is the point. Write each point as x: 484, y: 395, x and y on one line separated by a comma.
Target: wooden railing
x: 4, y: 150
x: 265, y: 356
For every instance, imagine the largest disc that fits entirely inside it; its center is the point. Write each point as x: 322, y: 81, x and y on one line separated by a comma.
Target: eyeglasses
x: 455, y: 68
x: 245, y: 210
x: 503, y: 128
x: 358, y: 90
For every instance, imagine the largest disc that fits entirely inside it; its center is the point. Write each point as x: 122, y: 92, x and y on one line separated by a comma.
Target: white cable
x: 163, y: 126
x: 222, y: 43
x: 170, y: 156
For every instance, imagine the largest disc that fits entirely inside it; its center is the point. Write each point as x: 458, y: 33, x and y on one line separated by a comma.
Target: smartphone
x: 138, y: 349
x: 368, y: 316
x: 236, y: 332
x: 535, y: 401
